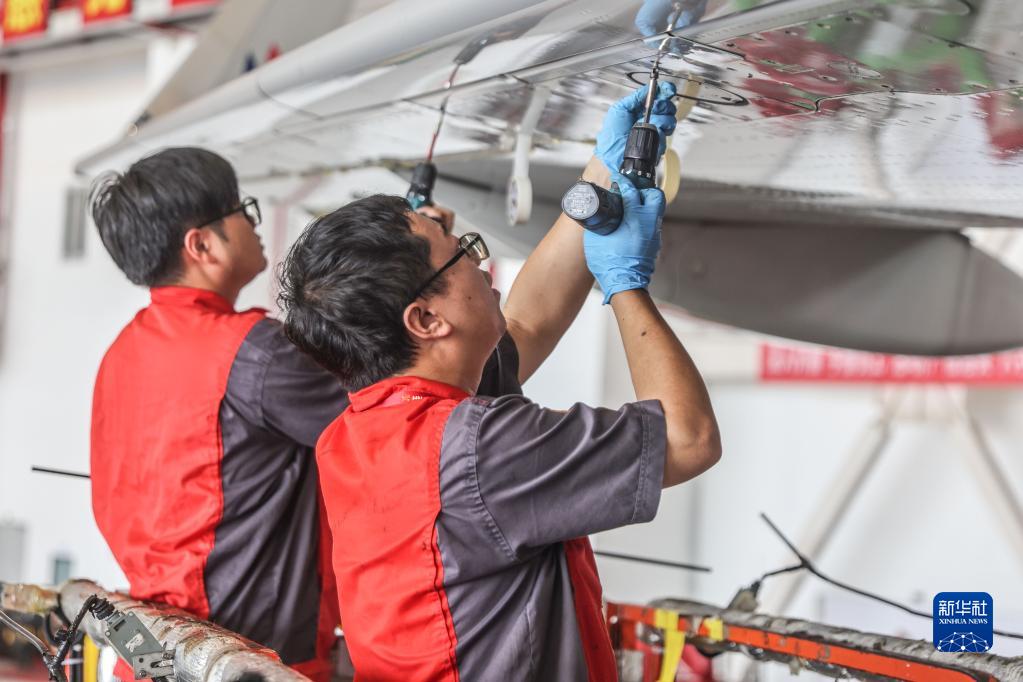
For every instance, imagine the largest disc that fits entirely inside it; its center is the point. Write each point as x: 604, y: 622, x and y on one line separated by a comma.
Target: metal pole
x: 781, y: 592
x: 994, y: 480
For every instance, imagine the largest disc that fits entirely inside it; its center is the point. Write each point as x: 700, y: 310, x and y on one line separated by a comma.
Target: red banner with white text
x: 832, y: 365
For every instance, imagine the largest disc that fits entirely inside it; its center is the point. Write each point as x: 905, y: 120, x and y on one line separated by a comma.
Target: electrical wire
x: 54, y: 662
x: 805, y: 563
x: 443, y: 110
x: 59, y: 472
x: 18, y: 628
x: 653, y: 562
x: 72, y: 630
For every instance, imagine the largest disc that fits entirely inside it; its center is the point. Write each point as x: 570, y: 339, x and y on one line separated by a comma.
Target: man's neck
x: 447, y: 369
x: 197, y: 281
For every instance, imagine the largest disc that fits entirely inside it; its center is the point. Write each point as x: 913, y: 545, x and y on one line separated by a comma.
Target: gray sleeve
x: 541, y: 476
x: 277, y: 387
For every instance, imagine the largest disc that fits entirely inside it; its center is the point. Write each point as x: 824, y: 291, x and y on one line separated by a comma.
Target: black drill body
x: 420, y: 191
x: 604, y: 211
x: 640, y: 162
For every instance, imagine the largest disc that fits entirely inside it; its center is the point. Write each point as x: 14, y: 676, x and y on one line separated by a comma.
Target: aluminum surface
x: 893, y: 104
x: 822, y: 113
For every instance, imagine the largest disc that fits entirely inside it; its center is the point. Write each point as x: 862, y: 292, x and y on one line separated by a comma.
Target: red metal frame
x: 622, y: 619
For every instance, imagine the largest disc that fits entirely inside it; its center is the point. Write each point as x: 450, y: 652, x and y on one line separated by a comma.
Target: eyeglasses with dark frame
x: 470, y: 244
x: 250, y: 205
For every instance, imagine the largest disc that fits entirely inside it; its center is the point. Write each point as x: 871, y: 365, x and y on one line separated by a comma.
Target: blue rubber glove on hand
x: 624, y: 113
x: 625, y: 258
x: 652, y: 17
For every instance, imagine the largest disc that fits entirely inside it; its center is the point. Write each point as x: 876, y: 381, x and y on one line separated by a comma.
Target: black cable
x: 60, y: 472
x: 100, y: 608
x: 655, y: 562
x: 805, y: 563
x: 790, y: 569
x: 67, y: 639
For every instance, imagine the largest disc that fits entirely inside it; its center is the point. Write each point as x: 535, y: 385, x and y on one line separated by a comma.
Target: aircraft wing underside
x: 807, y: 114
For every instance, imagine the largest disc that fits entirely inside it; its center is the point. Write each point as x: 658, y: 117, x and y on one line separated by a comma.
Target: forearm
x: 661, y: 369
x: 551, y: 287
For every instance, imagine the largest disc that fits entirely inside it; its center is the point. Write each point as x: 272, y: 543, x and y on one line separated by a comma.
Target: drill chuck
x: 420, y: 191
x: 640, y: 160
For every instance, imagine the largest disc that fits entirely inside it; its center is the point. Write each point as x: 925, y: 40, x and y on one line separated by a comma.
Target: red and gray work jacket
x: 460, y: 527
x: 204, y: 482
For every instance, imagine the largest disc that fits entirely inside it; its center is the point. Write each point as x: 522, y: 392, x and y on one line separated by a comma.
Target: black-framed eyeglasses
x: 249, y: 205
x: 470, y: 244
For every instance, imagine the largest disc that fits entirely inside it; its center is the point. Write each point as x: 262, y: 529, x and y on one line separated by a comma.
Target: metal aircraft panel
x: 818, y: 113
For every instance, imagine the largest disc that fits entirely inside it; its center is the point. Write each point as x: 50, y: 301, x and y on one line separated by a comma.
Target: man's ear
x: 197, y: 247
x: 423, y: 323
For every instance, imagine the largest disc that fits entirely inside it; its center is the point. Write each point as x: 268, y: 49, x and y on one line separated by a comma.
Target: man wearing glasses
x: 459, y: 518
x: 204, y: 482
x: 204, y: 418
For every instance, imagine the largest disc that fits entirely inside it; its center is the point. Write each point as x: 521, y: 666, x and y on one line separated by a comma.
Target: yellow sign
x: 96, y: 10
x: 25, y: 17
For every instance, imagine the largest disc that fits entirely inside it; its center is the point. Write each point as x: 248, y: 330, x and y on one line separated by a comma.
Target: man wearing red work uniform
x: 204, y: 418
x: 459, y: 520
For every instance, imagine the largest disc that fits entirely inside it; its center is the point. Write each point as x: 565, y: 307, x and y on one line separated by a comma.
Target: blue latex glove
x: 652, y: 17
x: 624, y: 113
x: 625, y: 258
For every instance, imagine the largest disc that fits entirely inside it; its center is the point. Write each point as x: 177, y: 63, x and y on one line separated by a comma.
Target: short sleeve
x: 542, y: 476
x: 279, y: 388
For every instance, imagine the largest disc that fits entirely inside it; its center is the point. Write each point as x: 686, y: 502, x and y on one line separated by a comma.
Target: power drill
x: 420, y: 191
x: 600, y: 210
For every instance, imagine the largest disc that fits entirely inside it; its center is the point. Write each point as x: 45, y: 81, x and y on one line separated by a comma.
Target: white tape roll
x: 519, y: 199
x: 670, y: 170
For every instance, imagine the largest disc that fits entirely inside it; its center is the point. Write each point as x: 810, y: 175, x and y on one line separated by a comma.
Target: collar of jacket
x: 190, y: 296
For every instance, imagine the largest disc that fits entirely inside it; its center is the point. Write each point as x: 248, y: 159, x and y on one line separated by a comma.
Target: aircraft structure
x: 831, y: 152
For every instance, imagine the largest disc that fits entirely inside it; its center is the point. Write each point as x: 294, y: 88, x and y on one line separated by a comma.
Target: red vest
x: 379, y: 472
x: 407, y: 557
x: 156, y: 448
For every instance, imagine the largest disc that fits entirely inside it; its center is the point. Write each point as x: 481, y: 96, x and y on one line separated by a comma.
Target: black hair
x: 345, y: 284
x: 142, y: 215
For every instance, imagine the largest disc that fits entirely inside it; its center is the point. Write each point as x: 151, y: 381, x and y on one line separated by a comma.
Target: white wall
x: 61, y: 314
x: 921, y: 524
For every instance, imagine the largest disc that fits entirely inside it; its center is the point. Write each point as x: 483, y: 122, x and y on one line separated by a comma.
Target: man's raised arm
x: 552, y: 285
